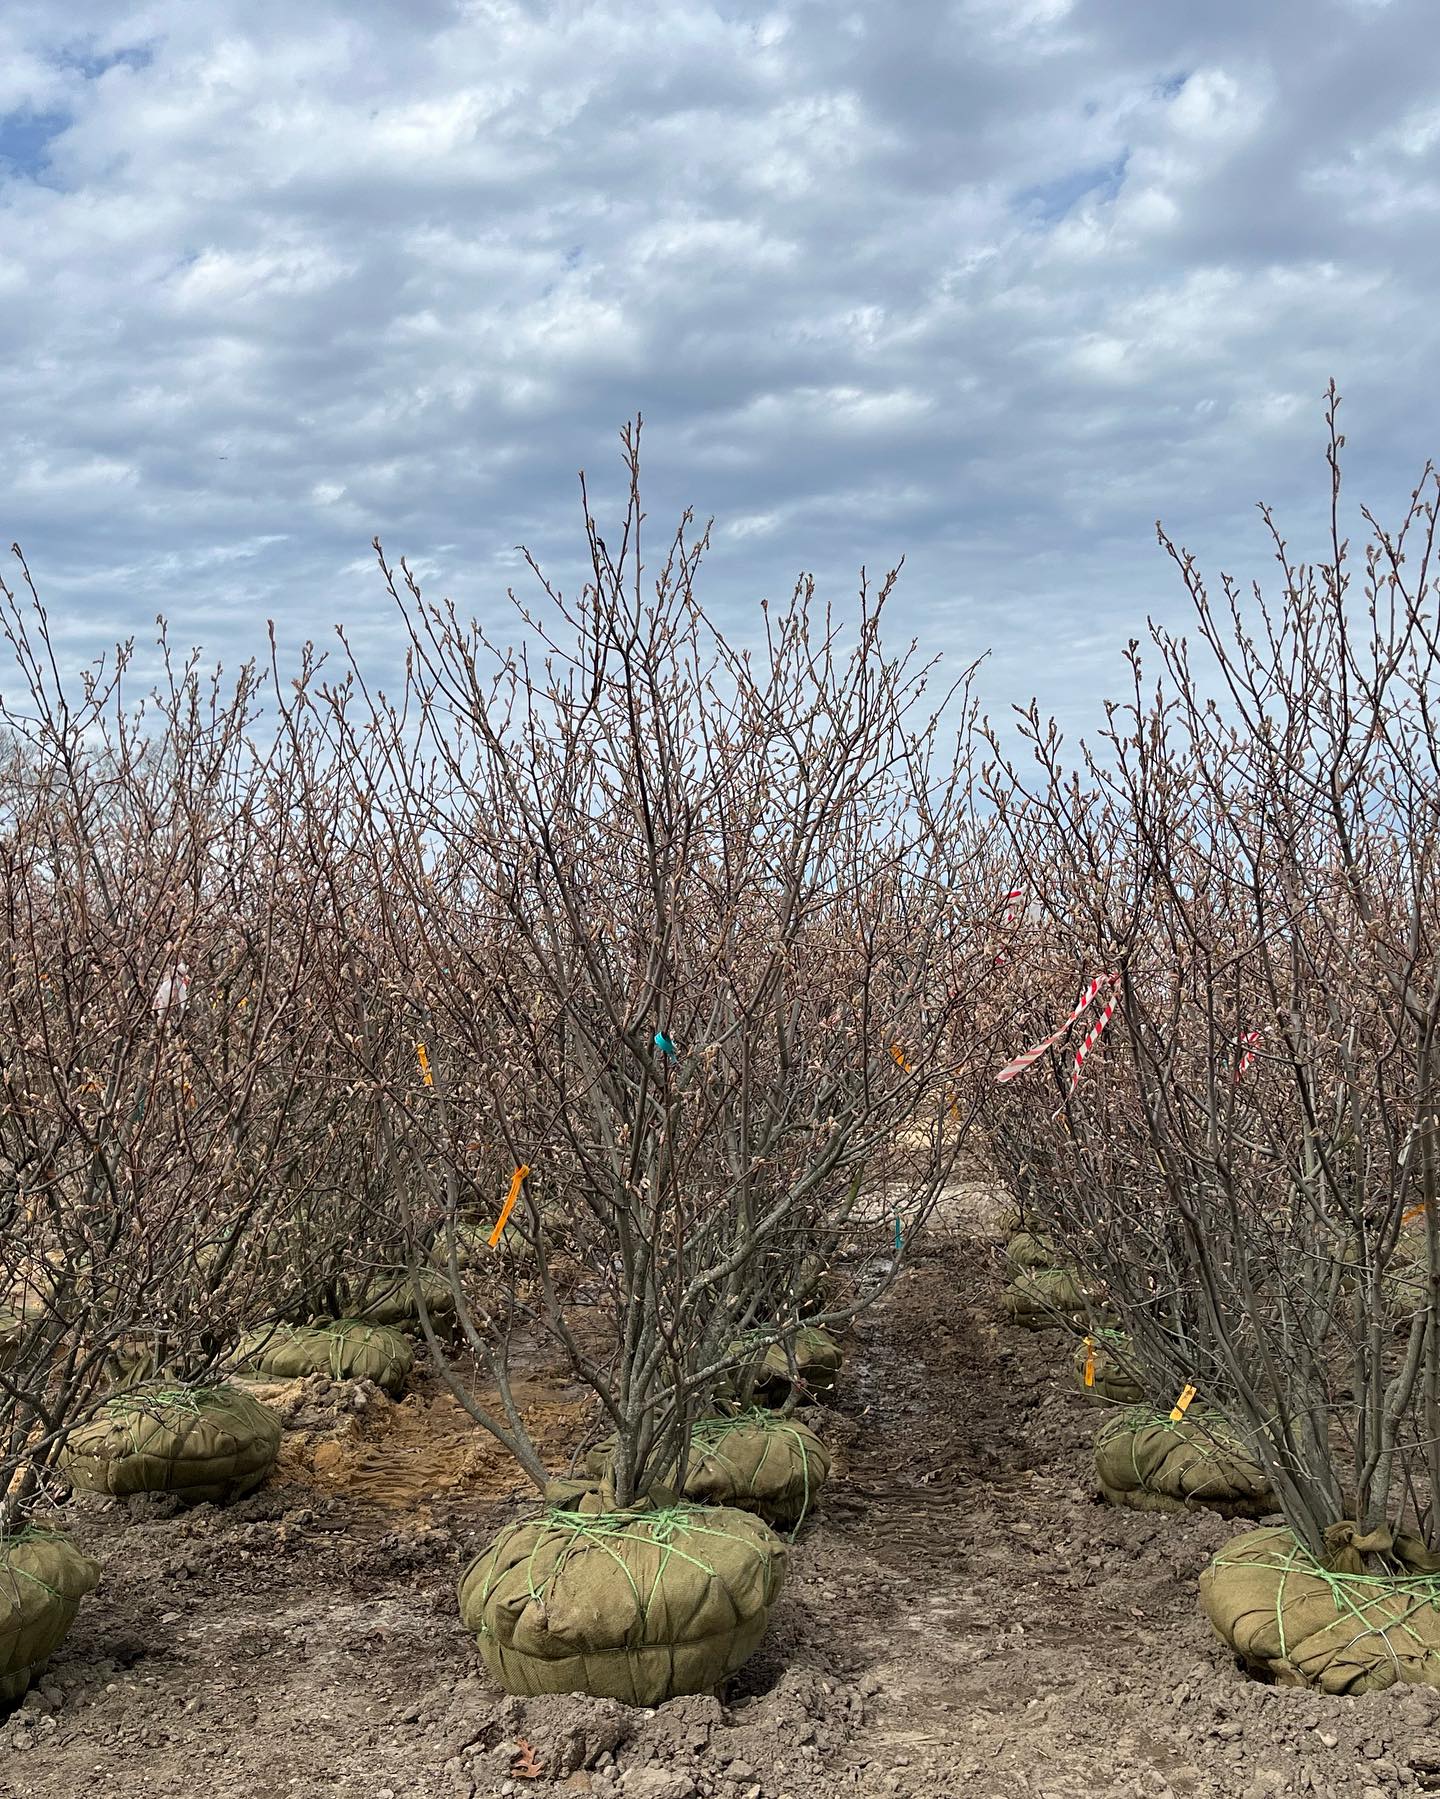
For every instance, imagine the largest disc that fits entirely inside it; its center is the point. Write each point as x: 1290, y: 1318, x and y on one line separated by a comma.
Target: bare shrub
x: 1257, y: 1129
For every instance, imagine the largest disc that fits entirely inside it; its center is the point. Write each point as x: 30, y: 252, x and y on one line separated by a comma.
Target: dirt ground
x: 961, y: 1617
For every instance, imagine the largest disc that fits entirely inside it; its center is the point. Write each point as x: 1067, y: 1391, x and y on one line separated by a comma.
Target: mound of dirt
x: 698, y: 1744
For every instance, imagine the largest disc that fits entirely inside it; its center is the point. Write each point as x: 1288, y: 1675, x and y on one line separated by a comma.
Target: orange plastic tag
x: 899, y: 1055
x: 1089, y: 1362
x: 1182, y: 1405
x: 424, y: 1060
x: 509, y: 1206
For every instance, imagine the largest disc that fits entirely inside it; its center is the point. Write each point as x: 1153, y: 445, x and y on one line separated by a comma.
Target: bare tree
x: 661, y: 949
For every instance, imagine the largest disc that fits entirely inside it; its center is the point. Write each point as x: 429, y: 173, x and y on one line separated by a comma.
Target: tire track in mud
x: 1017, y: 1621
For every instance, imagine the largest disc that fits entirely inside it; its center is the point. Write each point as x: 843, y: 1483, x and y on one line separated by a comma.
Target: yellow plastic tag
x: 1182, y: 1405
x: 510, y: 1198
x: 1089, y: 1361
x: 424, y: 1060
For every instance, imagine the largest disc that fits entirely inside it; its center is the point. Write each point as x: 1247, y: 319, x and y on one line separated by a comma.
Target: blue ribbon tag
x: 664, y: 1045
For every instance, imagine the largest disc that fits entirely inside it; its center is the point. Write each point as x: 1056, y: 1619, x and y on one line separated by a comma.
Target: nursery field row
x: 961, y: 1616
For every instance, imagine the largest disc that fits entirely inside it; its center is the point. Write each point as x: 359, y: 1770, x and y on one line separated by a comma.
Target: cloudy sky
x: 993, y: 284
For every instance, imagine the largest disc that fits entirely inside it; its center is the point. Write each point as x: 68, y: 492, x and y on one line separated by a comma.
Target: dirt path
x: 962, y: 1619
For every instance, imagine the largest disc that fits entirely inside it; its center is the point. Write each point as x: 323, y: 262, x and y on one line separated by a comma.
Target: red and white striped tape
x: 1250, y: 1039
x: 1092, y: 1037
x: 1027, y: 1058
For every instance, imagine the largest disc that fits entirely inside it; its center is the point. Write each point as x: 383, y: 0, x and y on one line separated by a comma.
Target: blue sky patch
x: 25, y: 138
x: 1052, y: 200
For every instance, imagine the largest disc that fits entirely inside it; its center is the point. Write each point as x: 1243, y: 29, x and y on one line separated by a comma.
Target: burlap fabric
x: 349, y: 1349
x: 132, y: 1360
x: 1301, y: 1622
x: 1147, y: 1462
x: 472, y: 1243
x: 771, y: 1466
x: 1102, y: 1370
x: 204, y: 1443
x: 640, y: 1605
x: 817, y: 1364
x: 1411, y: 1245
x: 1406, y: 1283
x: 1027, y: 1250
x: 391, y: 1299
x: 1054, y: 1298
x: 43, y: 1578
x: 774, y: 1467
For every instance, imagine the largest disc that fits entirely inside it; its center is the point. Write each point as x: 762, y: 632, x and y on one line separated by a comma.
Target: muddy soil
x: 961, y: 1618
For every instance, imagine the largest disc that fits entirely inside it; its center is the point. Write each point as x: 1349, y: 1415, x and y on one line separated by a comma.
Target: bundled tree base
x: 817, y: 1366
x: 43, y: 1578
x: 471, y: 1243
x: 132, y: 1360
x: 203, y: 1443
x: 1405, y: 1290
x: 639, y: 1605
x: 349, y: 1349
x: 1053, y: 1299
x: 1151, y: 1463
x: 1299, y: 1622
x: 1102, y: 1372
x: 1027, y: 1250
x: 774, y: 1467
x: 394, y: 1299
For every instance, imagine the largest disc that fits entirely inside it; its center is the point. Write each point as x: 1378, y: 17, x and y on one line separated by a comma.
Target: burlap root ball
x: 348, y: 1349
x: 1300, y: 1622
x: 817, y: 1365
x: 1405, y: 1286
x: 1027, y: 1250
x: 202, y: 1443
x: 472, y: 1243
x: 1009, y: 1219
x: 1055, y: 1299
x: 641, y: 1605
x: 1151, y: 1463
x: 1102, y: 1370
x: 43, y: 1578
x: 391, y: 1298
x: 774, y: 1467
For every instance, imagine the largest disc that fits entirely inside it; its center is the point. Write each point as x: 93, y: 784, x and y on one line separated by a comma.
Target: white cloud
x: 990, y: 284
